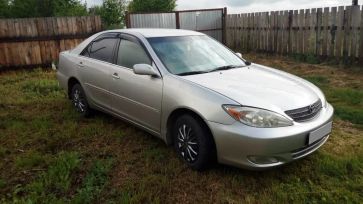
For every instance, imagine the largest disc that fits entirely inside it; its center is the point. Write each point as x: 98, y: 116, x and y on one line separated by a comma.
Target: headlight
x: 257, y: 117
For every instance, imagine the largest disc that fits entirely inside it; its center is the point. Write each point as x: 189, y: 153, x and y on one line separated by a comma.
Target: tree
x: 152, y: 5
x: 41, y: 8
x: 69, y: 8
x: 4, y: 8
x: 112, y: 13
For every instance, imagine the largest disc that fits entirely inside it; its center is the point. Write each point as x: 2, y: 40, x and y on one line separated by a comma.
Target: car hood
x: 259, y: 86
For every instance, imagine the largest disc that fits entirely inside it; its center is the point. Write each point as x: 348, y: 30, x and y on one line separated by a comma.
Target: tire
x: 193, y: 142
x: 79, y: 101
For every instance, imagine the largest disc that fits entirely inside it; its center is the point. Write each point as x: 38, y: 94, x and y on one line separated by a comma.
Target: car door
x: 95, y: 66
x: 137, y: 97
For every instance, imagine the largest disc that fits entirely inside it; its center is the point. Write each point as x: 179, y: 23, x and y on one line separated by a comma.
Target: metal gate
x: 209, y: 21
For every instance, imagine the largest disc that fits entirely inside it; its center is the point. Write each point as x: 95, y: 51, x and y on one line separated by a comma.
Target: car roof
x: 158, y: 32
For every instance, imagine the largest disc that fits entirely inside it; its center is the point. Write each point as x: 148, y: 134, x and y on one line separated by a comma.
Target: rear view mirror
x: 145, y: 69
x: 239, y: 54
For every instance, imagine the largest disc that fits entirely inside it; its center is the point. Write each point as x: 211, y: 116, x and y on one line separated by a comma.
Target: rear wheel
x: 79, y: 100
x: 193, y: 142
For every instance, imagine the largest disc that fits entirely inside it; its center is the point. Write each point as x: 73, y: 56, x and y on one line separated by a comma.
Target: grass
x: 51, y: 155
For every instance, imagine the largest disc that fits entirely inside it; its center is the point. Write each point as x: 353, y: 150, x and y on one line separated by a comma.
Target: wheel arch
x: 179, y: 112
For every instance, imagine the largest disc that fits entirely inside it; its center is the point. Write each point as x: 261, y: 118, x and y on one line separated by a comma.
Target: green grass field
x: 51, y: 155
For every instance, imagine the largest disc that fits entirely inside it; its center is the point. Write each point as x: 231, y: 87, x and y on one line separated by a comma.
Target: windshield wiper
x: 212, y: 70
x: 227, y: 67
x: 192, y: 73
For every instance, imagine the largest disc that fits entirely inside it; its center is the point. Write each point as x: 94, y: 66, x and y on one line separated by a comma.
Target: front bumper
x: 237, y: 143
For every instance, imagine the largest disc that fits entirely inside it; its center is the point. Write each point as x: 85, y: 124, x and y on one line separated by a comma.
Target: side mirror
x: 145, y: 69
x: 239, y: 54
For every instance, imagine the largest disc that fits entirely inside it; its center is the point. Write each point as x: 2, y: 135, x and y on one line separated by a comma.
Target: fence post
x: 224, y: 25
x: 177, y: 19
x: 127, y: 19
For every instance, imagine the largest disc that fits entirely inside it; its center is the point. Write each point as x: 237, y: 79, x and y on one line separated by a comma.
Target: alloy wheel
x: 187, y: 143
x: 79, y: 101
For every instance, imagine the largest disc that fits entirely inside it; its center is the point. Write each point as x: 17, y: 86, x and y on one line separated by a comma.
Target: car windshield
x: 184, y: 55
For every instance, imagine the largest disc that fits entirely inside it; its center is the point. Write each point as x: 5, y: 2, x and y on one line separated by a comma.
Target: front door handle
x: 115, y: 76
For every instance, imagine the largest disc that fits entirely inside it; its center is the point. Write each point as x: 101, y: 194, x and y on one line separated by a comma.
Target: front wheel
x: 193, y: 142
x: 79, y: 101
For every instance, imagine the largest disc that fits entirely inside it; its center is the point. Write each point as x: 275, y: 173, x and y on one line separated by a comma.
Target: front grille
x: 305, y: 113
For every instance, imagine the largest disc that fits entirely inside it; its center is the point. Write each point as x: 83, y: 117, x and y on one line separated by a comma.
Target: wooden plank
x: 361, y: 38
x: 319, y: 36
x: 11, y: 53
x: 98, y: 23
x: 270, y: 31
x: 257, y: 26
x: 239, y: 32
x: 355, y: 21
x: 6, y: 54
x: 17, y: 27
x: 279, y: 32
x: 340, y: 32
x: 286, y: 32
x: 244, y: 31
x: 230, y: 30
x: 347, y: 24
x: 74, y: 25
x: 253, y: 31
x: 3, y: 27
x: 267, y: 31
x: 235, y: 31
x: 313, y: 32
x: 307, y: 21
x: 275, y: 44
x: 2, y: 54
x: 301, y: 32
x: 294, y: 32
x: 324, y: 32
x: 332, y: 33
x: 262, y: 31
x: 247, y: 32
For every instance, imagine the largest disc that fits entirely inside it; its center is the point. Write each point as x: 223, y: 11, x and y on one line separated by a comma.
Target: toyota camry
x: 197, y: 95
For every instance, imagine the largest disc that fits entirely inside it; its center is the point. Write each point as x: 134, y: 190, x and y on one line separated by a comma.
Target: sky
x: 246, y: 6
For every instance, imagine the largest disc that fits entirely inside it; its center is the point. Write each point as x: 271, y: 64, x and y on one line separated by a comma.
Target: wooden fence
x: 32, y: 42
x: 329, y: 32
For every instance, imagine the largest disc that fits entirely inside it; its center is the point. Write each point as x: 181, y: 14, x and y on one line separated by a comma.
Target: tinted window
x: 131, y: 53
x: 101, y: 50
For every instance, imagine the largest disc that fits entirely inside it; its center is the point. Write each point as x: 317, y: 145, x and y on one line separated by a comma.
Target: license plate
x: 320, y: 133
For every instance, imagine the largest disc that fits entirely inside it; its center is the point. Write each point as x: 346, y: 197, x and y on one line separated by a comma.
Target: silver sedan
x: 197, y: 95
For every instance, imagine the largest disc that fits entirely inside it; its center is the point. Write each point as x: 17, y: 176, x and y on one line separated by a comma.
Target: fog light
x: 263, y: 159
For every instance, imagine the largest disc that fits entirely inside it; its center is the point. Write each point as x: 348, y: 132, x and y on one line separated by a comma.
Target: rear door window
x: 101, y: 49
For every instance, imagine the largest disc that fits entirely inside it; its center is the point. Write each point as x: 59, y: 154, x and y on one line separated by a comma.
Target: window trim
x: 119, y: 36
x: 110, y: 35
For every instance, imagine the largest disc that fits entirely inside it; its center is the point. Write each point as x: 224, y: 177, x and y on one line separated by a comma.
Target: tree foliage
x: 4, y: 8
x: 41, y: 8
x: 112, y: 13
x: 152, y: 5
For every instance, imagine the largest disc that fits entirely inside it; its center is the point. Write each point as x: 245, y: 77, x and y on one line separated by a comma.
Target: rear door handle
x: 115, y: 76
x: 80, y: 64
